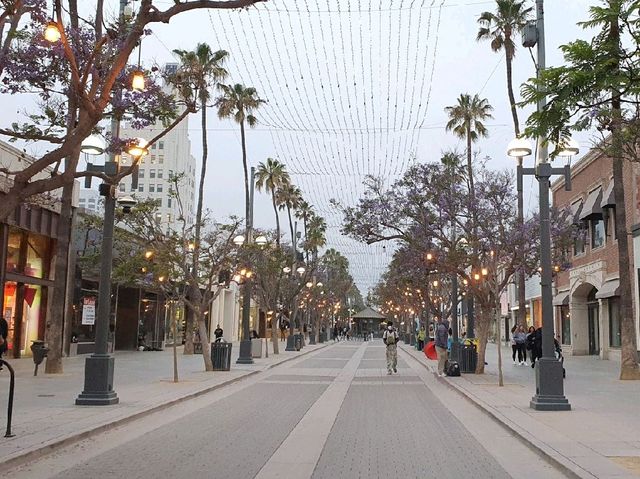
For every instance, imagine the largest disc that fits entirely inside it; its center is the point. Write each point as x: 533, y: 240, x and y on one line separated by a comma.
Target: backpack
x: 391, y: 338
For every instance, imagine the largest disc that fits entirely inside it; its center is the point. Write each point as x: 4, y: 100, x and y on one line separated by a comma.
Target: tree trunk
x: 498, y: 323
x: 512, y: 98
x: 189, y: 326
x: 274, y: 336
x: 174, y: 328
x: 275, y: 210
x: 483, y: 323
x: 55, y: 323
x: 204, y: 340
x: 472, y: 189
x: 629, y: 351
x: 293, y: 240
x: 247, y: 200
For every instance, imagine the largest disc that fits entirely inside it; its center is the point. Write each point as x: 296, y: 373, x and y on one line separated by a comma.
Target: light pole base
x: 312, y: 338
x: 98, y: 382
x: 245, y: 356
x: 291, y: 343
x: 549, y: 387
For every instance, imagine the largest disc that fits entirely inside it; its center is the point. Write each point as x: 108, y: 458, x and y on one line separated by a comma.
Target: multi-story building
x: 587, y: 302
x: 91, y: 200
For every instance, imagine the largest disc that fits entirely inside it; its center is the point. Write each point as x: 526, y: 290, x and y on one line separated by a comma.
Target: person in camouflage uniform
x: 390, y: 339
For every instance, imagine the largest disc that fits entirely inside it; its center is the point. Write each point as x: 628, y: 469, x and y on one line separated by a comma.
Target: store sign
x: 88, y: 311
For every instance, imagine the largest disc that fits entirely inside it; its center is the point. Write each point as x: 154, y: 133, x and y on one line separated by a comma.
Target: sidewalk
x: 45, y: 416
x: 599, y: 438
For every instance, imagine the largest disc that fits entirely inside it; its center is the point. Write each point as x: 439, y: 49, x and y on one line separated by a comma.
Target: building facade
x: 28, y: 241
x: 587, y: 302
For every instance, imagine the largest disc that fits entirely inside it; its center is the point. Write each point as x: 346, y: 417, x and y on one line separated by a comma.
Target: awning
x: 592, y: 209
x: 562, y: 299
x: 576, y: 209
x: 608, y: 200
x: 609, y: 289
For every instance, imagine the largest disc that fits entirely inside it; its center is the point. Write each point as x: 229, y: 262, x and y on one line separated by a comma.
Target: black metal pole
x: 245, y: 355
x: 12, y: 383
x: 455, y: 345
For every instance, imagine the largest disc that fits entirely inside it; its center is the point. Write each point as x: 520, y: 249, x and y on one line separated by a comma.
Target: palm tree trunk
x: 512, y: 98
x: 275, y: 210
x: 293, y: 241
x: 188, y: 345
x: 246, y: 176
x: 472, y: 189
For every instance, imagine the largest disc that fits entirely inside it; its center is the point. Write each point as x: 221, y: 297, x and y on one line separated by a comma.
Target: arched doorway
x: 585, y: 320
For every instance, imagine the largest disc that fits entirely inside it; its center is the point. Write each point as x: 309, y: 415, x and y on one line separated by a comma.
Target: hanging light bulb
x: 52, y: 32
x: 137, y: 80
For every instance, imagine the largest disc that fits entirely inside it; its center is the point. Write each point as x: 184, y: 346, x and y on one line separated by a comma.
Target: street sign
x: 88, y: 310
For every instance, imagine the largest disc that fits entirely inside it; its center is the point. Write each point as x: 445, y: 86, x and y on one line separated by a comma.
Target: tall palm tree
x: 272, y: 175
x: 200, y: 70
x: 499, y: 28
x: 316, y: 235
x: 466, y: 120
x: 304, y: 213
x: 289, y: 197
x: 239, y: 102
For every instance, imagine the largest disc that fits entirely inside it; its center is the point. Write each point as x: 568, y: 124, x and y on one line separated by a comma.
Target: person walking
x: 422, y: 335
x: 336, y: 333
x: 521, y: 338
x: 514, y: 346
x: 390, y: 339
x: 535, y: 345
x: 442, y: 340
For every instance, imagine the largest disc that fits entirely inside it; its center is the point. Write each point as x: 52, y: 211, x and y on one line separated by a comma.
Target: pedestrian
x: 521, y: 338
x: 390, y: 339
x: 254, y: 334
x: 283, y: 328
x: 4, y: 334
x: 535, y: 345
x: 217, y: 333
x: 336, y: 333
x: 442, y: 339
x: 514, y: 346
x: 422, y: 335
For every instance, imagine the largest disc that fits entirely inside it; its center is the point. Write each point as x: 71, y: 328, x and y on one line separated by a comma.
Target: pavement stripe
x: 298, y: 455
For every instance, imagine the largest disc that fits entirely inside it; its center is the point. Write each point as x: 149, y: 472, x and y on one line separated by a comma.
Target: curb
x: 565, y: 465
x: 50, y: 447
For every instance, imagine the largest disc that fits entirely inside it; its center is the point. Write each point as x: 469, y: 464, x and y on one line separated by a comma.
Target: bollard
x: 12, y: 384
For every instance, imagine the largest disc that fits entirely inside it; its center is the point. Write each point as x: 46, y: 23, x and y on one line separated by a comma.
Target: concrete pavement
x: 597, y: 439
x: 45, y: 416
x: 332, y: 413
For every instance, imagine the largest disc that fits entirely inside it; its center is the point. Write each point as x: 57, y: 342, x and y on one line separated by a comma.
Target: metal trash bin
x: 469, y: 358
x: 39, y: 351
x: 221, y: 356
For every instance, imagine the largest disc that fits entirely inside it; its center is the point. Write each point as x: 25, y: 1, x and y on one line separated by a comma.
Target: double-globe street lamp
x: 291, y: 340
x: 245, y: 355
x: 549, y: 380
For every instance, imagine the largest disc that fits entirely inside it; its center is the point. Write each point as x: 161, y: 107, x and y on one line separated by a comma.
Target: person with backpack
x: 390, y: 339
x: 442, y: 341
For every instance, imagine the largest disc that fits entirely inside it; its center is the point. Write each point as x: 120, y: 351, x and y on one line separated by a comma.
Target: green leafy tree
x: 599, y: 87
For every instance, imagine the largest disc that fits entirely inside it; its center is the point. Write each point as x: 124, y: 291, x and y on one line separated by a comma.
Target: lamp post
x: 300, y: 270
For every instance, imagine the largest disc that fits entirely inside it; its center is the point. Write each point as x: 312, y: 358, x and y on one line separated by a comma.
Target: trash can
x: 221, y: 356
x: 469, y: 358
x: 39, y: 351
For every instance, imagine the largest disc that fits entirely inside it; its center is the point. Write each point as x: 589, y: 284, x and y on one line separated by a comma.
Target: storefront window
x: 597, y: 233
x: 28, y: 254
x: 614, y: 323
x: 565, y: 318
x: 579, y: 240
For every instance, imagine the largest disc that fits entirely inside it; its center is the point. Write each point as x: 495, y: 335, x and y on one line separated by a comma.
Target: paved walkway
x: 599, y: 438
x: 45, y: 415
x: 333, y: 413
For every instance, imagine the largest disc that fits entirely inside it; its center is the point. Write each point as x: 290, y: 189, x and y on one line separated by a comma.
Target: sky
x: 353, y: 88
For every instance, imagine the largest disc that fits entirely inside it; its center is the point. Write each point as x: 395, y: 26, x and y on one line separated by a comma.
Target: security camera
x: 127, y: 202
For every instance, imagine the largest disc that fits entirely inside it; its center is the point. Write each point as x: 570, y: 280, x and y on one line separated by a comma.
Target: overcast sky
x: 354, y: 87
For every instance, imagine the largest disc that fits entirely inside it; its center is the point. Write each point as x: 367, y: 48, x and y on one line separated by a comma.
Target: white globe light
x: 238, y: 240
x: 286, y: 269
x: 519, y: 147
x: 300, y: 270
x: 261, y: 240
x: 93, y: 145
x: 568, y: 148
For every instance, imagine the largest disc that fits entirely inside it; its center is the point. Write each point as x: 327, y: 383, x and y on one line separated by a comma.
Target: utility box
x: 529, y: 35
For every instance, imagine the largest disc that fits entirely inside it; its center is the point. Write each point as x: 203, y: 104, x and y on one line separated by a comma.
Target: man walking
x: 390, y: 339
x: 442, y: 339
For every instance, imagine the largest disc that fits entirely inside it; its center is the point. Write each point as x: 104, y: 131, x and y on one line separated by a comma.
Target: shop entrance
x: 593, y: 317
x: 24, y: 309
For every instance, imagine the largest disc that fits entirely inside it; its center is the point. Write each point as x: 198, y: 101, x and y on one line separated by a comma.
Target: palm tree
x: 239, y: 102
x: 199, y: 71
x: 509, y: 18
x: 289, y: 197
x: 272, y: 175
x: 466, y: 121
x: 317, y: 229
x: 304, y: 213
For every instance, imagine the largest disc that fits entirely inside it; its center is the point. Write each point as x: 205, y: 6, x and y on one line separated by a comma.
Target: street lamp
x: 52, y: 32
